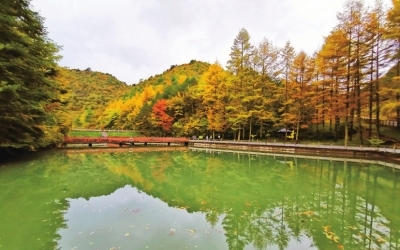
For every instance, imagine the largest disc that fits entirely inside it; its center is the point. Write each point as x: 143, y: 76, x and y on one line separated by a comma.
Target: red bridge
x: 125, y: 140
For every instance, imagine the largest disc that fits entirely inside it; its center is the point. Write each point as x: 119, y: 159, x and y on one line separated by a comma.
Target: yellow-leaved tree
x: 212, y: 90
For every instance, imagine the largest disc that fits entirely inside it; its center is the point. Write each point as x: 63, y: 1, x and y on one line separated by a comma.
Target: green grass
x: 390, y: 132
x: 84, y: 134
x: 123, y: 134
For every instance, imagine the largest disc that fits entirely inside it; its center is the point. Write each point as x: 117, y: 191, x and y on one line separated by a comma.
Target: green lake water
x: 185, y: 198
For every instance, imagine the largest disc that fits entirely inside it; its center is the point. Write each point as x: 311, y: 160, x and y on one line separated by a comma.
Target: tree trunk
x: 298, y: 127
x: 398, y: 110
x: 371, y: 79
x: 285, y: 132
x: 346, y: 119
x: 251, y: 127
x: 337, y: 123
x: 398, y: 96
x: 351, y: 124
x: 360, y: 127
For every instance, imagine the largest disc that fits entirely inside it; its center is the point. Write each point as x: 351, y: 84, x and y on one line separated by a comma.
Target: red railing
x: 117, y: 140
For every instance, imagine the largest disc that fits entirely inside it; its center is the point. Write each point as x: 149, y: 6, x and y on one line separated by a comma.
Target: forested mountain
x: 160, y: 105
x: 353, y: 77
x: 97, y: 100
x: 85, y: 93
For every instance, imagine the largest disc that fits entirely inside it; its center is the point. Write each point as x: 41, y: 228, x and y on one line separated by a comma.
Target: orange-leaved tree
x: 160, y: 116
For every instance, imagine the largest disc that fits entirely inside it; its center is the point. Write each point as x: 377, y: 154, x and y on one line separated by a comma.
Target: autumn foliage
x: 265, y: 88
x: 350, y: 81
x: 160, y: 115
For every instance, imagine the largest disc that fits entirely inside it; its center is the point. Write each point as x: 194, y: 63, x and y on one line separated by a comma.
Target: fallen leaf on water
x: 191, y: 231
x: 381, y: 240
x: 330, y: 235
x: 308, y: 213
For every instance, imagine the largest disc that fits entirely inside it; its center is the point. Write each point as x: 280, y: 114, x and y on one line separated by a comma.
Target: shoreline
x: 339, y: 158
x: 375, y: 153
x: 391, y: 156
x: 290, y: 147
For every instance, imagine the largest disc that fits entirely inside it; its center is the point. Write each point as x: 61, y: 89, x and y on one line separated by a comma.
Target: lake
x: 186, y: 198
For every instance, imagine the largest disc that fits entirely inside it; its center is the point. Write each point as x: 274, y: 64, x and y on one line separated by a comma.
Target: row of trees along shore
x: 266, y: 87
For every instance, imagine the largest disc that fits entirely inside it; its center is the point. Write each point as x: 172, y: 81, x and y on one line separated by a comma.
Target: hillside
x: 171, y: 88
x: 85, y: 93
x: 175, y: 74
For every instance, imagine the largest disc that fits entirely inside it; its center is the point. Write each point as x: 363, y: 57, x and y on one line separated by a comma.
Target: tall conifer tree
x: 27, y: 56
x: 240, y: 66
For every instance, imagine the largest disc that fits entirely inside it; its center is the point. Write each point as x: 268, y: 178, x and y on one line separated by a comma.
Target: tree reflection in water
x: 269, y: 200
x: 262, y: 200
x: 333, y: 202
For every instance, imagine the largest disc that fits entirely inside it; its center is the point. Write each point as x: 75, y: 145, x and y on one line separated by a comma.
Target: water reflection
x: 203, y: 199
x: 128, y: 219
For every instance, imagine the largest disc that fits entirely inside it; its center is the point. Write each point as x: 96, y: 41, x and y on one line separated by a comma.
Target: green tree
x: 143, y: 119
x: 241, y: 52
x: 27, y: 58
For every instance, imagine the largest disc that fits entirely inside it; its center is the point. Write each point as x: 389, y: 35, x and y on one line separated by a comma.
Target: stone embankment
x: 387, y: 154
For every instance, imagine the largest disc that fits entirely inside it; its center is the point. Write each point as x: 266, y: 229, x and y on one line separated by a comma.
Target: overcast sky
x: 136, y: 39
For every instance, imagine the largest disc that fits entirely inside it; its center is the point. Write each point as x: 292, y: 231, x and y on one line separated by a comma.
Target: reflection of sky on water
x: 133, y: 220
x: 129, y: 219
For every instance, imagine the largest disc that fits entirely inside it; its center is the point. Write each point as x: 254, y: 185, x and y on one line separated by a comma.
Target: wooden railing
x: 390, y: 123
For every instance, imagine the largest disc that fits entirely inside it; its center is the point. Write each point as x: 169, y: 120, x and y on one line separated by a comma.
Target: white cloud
x: 135, y: 39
